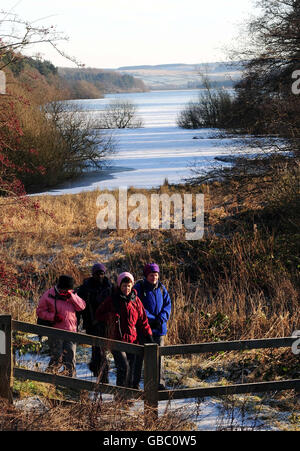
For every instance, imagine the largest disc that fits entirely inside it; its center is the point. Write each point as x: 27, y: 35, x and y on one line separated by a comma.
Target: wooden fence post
x: 5, y: 357
x: 151, y: 381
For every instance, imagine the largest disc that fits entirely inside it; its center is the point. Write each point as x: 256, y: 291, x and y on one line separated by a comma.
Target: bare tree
x: 82, y: 141
x: 120, y: 114
x: 16, y: 34
x: 19, y: 152
x: 265, y: 103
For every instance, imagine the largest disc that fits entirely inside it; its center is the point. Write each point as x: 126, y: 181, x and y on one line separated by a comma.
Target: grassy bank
x: 241, y: 281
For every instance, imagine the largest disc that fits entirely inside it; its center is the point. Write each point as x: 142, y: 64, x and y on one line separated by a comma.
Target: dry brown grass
x: 222, y: 287
x: 231, y: 285
x: 91, y: 416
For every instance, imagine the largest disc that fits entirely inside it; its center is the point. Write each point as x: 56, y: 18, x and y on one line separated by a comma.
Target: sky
x: 115, y: 33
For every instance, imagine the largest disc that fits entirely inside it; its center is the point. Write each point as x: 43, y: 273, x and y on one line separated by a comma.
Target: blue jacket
x: 157, y: 304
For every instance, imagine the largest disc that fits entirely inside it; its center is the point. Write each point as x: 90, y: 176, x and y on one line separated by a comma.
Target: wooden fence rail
x: 152, y: 354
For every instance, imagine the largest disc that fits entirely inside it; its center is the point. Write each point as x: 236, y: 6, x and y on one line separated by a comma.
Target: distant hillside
x: 40, y: 77
x: 105, y: 81
x: 184, y: 76
x: 18, y: 63
x: 88, y: 83
x: 74, y: 83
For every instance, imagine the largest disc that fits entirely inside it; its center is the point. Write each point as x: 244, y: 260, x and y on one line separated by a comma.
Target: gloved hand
x: 64, y: 296
x: 58, y: 318
x: 148, y: 339
x: 155, y: 323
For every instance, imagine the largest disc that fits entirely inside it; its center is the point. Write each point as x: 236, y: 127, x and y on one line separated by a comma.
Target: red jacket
x: 66, y: 309
x: 124, y: 318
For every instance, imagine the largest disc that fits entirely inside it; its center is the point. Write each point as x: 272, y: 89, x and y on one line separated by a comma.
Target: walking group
x: 129, y: 311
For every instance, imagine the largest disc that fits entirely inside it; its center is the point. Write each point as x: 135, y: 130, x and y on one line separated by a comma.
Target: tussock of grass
x: 92, y: 416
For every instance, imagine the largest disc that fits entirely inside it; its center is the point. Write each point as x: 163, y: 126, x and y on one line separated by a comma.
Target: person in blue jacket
x: 157, y: 304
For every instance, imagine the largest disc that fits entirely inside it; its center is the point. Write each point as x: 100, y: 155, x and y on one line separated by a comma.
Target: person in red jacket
x: 59, y: 305
x: 125, y: 317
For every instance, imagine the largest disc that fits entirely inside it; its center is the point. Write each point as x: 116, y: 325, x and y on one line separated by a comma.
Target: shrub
x: 56, y: 143
x: 214, y: 108
x: 120, y: 114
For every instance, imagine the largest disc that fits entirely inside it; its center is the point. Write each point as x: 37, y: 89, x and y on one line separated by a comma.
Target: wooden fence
x: 152, y: 354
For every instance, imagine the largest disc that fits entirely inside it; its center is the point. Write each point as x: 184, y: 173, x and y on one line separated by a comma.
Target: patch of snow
x: 31, y: 403
x: 206, y: 414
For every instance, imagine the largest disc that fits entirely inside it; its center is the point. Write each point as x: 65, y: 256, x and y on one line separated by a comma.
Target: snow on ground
x: 207, y: 414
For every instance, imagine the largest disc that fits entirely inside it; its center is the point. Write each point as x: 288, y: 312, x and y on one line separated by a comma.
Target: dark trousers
x: 125, y: 367
x: 62, y: 353
x: 160, y: 340
x: 98, y: 364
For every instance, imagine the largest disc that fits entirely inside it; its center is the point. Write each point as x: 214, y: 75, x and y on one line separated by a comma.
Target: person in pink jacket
x: 59, y: 305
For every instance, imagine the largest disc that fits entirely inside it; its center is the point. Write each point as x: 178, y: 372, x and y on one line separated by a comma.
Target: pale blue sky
x: 114, y: 33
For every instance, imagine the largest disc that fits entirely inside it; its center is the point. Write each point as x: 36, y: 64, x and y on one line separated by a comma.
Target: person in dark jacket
x: 124, y: 315
x: 94, y: 290
x: 157, y: 303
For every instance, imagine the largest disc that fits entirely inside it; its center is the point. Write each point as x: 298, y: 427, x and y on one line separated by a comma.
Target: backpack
x: 141, y: 284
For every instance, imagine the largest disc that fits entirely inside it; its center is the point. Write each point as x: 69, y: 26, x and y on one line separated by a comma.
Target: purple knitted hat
x: 98, y: 267
x: 150, y: 267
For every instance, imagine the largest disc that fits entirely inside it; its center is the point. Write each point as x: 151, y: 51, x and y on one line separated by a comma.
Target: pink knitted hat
x: 122, y: 276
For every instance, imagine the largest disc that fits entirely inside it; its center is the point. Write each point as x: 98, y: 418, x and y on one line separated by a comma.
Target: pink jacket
x: 66, y: 309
